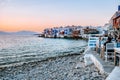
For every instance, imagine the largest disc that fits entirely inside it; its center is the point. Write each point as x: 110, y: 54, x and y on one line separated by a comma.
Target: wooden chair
x: 117, y: 59
x: 109, y: 53
x: 118, y: 45
x: 117, y: 55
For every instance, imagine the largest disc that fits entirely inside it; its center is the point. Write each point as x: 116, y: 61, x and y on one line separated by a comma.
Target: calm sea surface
x: 21, y: 49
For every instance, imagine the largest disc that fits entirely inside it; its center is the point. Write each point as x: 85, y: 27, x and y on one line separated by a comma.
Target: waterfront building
x: 107, y: 27
x: 116, y: 19
x: 54, y: 32
x: 103, y: 30
x: 100, y: 29
x: 68, y: 31
x: 115, y: 22
x: 91, y: 31
x: 61, y: 32
x: 48, y: 32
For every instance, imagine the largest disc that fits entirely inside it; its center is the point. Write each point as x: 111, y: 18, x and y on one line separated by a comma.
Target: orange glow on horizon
x: 13, y: 24
x: 10, y: 28
x: 32, y: 27
x: 36, y: 15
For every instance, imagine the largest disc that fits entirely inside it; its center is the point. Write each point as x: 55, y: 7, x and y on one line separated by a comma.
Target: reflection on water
x: 16, y: 49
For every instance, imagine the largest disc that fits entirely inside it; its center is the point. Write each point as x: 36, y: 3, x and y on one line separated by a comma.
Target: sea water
x: 15, y: 49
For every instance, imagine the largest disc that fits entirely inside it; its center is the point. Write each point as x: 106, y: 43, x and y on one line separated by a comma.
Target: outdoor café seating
x: 109, y: 52
x: 117, y: 54
x: 100, y: 47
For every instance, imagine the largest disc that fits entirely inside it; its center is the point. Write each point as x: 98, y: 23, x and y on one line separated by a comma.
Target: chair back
x: 92, y: 42
x: 109, y: 46
x: 118, y: 45
x: 109, y: 51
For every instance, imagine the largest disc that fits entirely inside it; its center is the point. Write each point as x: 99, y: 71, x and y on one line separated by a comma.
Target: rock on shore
x: 60, y: 68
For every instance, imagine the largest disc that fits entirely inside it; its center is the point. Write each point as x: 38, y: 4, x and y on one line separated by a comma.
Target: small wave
x: 29, y: 61
x: 30, y: 49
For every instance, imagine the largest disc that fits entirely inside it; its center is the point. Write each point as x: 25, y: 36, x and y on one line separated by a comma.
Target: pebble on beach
x: 60, y: 68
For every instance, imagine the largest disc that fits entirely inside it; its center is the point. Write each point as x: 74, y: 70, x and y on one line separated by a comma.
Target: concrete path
x: 103, y: 66
x: 115, y: 74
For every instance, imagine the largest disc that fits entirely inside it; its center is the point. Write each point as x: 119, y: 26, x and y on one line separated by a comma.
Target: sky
x: 36, y: 15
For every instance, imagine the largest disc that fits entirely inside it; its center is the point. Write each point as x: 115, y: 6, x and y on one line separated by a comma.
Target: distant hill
x: 3, y: 33
x: 18, y: 33
x: 25, y: 33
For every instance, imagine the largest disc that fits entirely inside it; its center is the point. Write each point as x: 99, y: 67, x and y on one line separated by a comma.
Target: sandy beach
x: 69, y: 67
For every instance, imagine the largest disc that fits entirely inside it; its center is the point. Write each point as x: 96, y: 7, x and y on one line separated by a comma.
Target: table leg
x: 96, y: 48
x: 115, y: 58
x: 103, y: 53
x: 119, y: 61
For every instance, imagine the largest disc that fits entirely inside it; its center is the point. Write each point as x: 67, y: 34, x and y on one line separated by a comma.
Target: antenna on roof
x: 119, y: 7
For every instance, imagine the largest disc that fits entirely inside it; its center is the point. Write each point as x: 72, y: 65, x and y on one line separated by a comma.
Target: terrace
x: 105, y: 58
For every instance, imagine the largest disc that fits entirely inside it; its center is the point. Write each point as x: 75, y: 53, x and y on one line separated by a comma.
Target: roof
x: 117, y: 14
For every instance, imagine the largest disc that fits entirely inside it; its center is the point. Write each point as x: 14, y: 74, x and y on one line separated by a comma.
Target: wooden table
x: 102, y: 52
x: 97, y: 46
x: 116, y: 50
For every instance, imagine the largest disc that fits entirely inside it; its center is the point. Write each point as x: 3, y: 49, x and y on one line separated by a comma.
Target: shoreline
x: 78, y: 38
x: 43, y: 59
x: 62, y: 67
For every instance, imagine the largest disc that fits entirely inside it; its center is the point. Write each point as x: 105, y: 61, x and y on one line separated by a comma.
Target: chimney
x: 119, y: 8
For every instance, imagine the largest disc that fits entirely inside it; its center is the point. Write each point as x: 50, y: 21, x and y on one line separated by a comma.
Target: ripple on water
x: 22, y: 49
